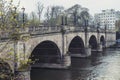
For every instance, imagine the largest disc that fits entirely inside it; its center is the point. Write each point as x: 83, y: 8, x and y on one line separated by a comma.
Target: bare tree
x: 34, y: 21
x: 47, y: 16
x: 40, y: 8
x: 8, y: 16
x: 85, y: 18
x: 33, y: 15
x: 53, y: 14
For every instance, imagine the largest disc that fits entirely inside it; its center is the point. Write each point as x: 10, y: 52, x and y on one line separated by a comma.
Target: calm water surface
x: 100, y: 66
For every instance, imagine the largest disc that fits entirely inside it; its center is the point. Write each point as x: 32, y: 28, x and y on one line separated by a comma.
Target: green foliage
x: 10, y: 24
x: 24, y: 64
x: 10, y: 20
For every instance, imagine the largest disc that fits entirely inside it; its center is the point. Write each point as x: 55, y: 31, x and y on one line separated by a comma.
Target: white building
x: 107, y: 17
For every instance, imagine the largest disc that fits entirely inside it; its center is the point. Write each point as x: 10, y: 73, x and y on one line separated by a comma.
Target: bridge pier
x: 87, y: 52
x: 66, y: 61
x: 100, y: 48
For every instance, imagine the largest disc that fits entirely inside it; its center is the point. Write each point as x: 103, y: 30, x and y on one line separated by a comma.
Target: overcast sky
x: 94, y: 6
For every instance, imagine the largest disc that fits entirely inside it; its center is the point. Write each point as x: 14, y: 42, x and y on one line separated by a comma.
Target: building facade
x: 107, y: 18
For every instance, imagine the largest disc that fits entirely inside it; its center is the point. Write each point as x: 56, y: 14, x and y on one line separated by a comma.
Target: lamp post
x: 65, y: 57
x: 62, y: 31
x: 15, y: 8
x: 23, y: 9
x: 66, y: 23
x: 98, y: 35
x: 105, y: 34
x: 99, y: 45
x: 14, y: 17
x: 15, y: 44
x: 86, y: 30
x: 87, y: 49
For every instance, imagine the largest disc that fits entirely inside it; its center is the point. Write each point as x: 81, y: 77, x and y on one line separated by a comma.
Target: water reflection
x: 50, y: 74
x: 100, y: 66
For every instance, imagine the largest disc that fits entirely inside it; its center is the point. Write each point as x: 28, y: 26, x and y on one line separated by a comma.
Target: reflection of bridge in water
x: 53, y: 47
x: 101, y: 66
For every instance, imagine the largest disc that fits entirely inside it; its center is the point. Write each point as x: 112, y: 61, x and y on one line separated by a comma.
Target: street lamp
x: 105, y: 33
x: 62, y: 20
x: 86, y: 30
x: 15, y: 8
x: 98, y: 35
x: 66, y: 23
x: 98, y: 26
x: 23, y: 9
x: 63, y: 32
x: 14, y: 17
x: 15, y: 44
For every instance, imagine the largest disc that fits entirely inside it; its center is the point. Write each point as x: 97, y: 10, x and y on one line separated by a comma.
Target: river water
x: 100, y: 66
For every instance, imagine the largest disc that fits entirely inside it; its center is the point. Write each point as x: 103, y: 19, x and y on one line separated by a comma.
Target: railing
x: 47, y: 29
x: 44, y: 29
x: 72, y: 28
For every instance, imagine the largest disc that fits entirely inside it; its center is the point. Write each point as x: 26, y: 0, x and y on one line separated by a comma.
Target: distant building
x: 107, y: 17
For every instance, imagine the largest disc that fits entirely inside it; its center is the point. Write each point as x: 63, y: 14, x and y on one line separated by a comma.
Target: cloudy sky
x: 94, y: 6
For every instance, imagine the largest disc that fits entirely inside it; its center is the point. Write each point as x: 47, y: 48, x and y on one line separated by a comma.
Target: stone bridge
x: 53, y: 47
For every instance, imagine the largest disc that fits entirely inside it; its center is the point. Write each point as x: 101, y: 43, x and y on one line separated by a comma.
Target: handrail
x: 47, y: 29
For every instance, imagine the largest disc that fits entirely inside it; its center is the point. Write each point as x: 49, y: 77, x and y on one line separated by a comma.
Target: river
x: 100, y: 66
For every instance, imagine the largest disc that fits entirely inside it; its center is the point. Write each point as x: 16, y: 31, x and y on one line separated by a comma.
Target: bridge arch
x: 76, y: 46
x: 46, y: 52
x: 102, y: 40
x: 93, y: 42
